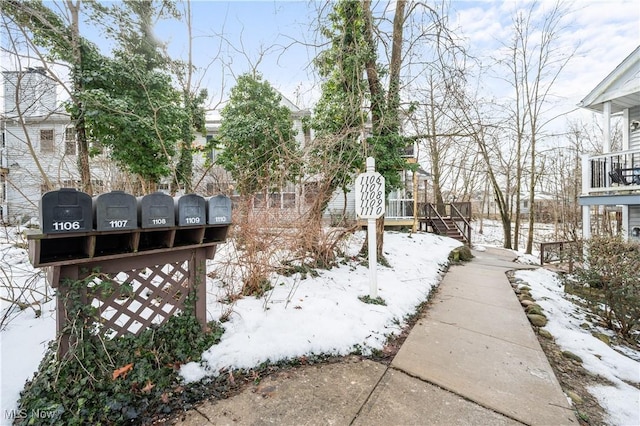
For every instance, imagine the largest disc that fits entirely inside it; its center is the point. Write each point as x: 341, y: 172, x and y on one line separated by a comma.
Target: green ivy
x: 79, y: 388
x: 373, y: 301
x: 257, y: 137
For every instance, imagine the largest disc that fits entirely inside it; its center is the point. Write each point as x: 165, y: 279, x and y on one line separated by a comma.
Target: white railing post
x: 586, y: 174
x: 625, y: 222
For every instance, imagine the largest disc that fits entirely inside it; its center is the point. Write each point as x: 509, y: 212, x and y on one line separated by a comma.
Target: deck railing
x: 612, y: 172
x: 400, y: 209
x: 562, y: 252
x: 436, y: 215
x: 460, y: 209
x: 461, y: 214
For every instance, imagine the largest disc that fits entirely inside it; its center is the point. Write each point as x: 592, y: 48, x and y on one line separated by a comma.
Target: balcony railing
x: 611, y: 173
x: 399, y: 209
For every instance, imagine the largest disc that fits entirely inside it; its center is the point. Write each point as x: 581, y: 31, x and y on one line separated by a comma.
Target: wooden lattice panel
x: 139, y: 298
x: 147, y: 289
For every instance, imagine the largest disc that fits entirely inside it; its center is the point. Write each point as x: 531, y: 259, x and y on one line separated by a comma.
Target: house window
x: 46, y: 140
x: 288, y: 200
x: 259, y: 201
x: 71, y: 183
x: 70, y: 141
x: 311, y: 192
x: 275, y: 200
x: 285, y: 199
x: 307, y: 135
x: 213, y: 153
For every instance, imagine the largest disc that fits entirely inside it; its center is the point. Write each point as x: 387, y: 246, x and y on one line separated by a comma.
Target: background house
x: 36, y: 139
x: 39, y: 144
x: 291, y: 201
x: 613, y: 178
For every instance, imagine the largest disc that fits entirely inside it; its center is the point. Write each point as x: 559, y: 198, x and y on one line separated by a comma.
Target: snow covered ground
x: 315, y: 315
x: 616, y: 364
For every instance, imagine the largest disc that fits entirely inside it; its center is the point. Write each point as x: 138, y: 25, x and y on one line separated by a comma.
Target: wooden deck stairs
x: 450, y: 220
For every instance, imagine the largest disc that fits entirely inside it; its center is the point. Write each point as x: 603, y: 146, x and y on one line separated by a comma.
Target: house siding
x: 29, y: 106
x: 619, y: 91
x: 24, y: 180
x: 35, y: 91
x: 336, y: 206
x: 297, y: 126
x: 21, y: 151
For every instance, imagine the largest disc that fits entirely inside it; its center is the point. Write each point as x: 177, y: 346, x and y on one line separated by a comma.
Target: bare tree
x: 55, y: 42
x: 536, y: 59
x: 485, y: 129
x: 385, y: 101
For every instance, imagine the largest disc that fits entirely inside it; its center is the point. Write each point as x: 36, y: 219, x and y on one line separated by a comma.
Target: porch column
x: 625, y: 222
x: 625, y: 129
x: 586, y: 222
x: 606, y: 141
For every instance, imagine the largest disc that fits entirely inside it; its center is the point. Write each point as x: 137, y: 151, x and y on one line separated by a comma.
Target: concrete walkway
x: 473, y: 359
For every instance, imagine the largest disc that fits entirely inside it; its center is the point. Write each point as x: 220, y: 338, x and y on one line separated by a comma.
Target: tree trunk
x: 78, y: 87
x: 532, y: 195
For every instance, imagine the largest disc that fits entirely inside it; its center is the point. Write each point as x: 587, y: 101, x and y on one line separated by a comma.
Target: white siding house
x: 286, y: 203
x: 38, y: 143
x: 613, y: 178
x: 35, y: 142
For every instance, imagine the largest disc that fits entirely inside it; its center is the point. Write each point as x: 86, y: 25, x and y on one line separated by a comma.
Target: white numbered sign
x: 370, y: 195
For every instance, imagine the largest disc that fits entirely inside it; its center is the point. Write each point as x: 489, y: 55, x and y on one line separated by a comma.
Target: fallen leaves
x: 122, y: 371
x: 147, y: 388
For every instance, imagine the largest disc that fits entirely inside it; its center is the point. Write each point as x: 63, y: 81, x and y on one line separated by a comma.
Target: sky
x: 602, y: 33
x: 280, y: 39
x: 324, y: 315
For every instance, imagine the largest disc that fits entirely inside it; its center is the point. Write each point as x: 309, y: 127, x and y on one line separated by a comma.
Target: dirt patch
x: 574, y: 380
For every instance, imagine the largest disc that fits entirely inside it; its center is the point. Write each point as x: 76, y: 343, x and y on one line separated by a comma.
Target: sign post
x: 370, y: 205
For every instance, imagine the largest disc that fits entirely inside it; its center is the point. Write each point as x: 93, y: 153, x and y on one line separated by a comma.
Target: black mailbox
x: 156, y: 210
x: 191, y: 210
x: 65, y: 210
x: 219, y: 210
x: 115, y: 211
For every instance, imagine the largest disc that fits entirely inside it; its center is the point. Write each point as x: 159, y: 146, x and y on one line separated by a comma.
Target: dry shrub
x: 612, y: 266
x: 267, y: 241
x: 20, y: 288
x: 259, y: 242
